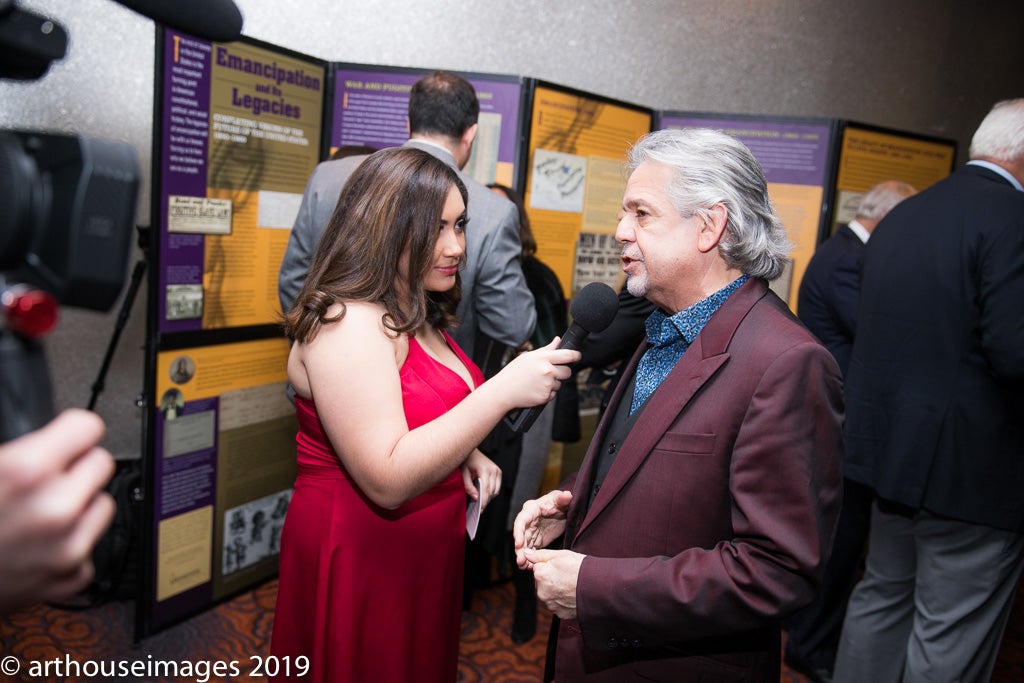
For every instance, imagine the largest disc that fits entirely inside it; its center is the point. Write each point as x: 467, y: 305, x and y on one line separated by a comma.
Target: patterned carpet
x: 241, y: 628
x: 234, y: 631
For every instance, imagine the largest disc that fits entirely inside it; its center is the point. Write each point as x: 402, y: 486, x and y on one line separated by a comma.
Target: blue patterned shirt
x: 670, y: 336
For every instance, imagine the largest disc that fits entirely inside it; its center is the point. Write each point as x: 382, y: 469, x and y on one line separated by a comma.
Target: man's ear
x: 713, y: 229
x: 469, y: 135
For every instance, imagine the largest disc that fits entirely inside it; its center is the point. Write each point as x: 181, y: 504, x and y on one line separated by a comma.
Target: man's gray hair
x: 710, y: 168
x: 882, y: 196
x: 1000, y: 137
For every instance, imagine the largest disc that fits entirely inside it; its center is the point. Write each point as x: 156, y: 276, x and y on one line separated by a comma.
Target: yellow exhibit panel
x: 575, y: 180
x: 242, y: 131
x: 184, y: 544
x: 867, y: 157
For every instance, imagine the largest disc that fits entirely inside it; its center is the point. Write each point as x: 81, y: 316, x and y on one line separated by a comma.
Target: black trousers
x: 813, y: 632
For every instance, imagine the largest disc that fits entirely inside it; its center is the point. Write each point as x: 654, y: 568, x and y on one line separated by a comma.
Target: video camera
x: 67, y: 207
x: 66, y: 226
x: 69, y: 210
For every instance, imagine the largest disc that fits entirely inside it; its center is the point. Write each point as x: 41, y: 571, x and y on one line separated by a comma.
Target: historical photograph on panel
x: 252, y: 532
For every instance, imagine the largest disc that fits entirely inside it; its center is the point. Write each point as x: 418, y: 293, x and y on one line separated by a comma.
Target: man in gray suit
x: 443, y: 111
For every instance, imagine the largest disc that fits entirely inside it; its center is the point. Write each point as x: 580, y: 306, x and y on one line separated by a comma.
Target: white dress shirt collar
x: 996, y: 168
x: 859, y: 230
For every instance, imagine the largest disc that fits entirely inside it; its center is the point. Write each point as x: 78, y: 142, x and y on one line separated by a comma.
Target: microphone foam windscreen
x: 594, y: 307
x: 217, y: 20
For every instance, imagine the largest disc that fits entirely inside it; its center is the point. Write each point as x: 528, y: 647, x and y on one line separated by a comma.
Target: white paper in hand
x: 473, y: 512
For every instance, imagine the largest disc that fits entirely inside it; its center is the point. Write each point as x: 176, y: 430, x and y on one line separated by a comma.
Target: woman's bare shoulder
x: 364, y: 318
x: 346, y: 347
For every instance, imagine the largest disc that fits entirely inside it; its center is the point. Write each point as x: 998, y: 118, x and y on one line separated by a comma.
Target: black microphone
x: 592, y: 310
x: 218, y: 20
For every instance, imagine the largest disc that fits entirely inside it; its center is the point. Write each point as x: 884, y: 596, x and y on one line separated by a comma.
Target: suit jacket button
x: 637, y: 643
x: 612, y: 642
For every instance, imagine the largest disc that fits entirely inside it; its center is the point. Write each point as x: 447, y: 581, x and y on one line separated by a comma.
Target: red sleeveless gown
x: 369, y: 594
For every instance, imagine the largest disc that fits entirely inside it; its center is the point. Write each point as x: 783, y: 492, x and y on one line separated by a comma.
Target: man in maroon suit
x: 705, y: 507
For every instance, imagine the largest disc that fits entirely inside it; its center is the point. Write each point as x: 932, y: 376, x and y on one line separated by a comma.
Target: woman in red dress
x: 390, y: 413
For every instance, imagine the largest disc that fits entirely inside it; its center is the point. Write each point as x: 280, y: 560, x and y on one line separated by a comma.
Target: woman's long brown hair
x: 392, y: 204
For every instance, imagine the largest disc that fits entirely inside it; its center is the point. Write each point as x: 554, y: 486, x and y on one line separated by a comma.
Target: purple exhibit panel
x: 183, y: 159
x: 185, y: 482
x: 792, y: 153
x: 371, y: 107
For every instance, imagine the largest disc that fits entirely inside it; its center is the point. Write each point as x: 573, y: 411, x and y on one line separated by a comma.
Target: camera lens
x: 18, y: 176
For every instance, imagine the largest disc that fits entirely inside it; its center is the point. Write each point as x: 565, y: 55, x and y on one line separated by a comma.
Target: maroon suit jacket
x: 717, y: 515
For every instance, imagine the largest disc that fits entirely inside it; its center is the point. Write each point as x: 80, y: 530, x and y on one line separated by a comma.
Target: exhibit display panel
x: 370, y: 107
x: 575, y: 177
x: 870, y: 154
x: 237, y: 132
x: 796, y: 157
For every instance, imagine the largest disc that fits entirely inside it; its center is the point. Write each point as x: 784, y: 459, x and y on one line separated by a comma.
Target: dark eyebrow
x: 461, y: 218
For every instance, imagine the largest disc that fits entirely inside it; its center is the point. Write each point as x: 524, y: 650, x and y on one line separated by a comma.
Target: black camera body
x: 69, y: 214
x: 66, y: 229
x: 67, y: 203
x: 67, y: 217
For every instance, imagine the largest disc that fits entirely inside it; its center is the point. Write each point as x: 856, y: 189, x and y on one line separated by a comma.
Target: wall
x: 928, y: 66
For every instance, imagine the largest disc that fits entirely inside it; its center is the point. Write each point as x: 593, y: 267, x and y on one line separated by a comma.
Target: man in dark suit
x: 828, y: 306
x: 704, y: 509
x: 935, y: 421
x: 831, y: 284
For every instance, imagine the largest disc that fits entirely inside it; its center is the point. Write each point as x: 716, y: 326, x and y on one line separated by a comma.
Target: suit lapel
x: 707, y: 353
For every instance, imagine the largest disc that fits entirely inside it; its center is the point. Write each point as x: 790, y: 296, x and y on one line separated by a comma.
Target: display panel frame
x: 915, y: 158
x: 369, y: 107
x: 796, y: 155
x: 573, y: 180
x: 210, y: 387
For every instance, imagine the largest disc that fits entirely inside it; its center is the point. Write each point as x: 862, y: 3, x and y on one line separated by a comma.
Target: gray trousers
x: 933, y: 603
